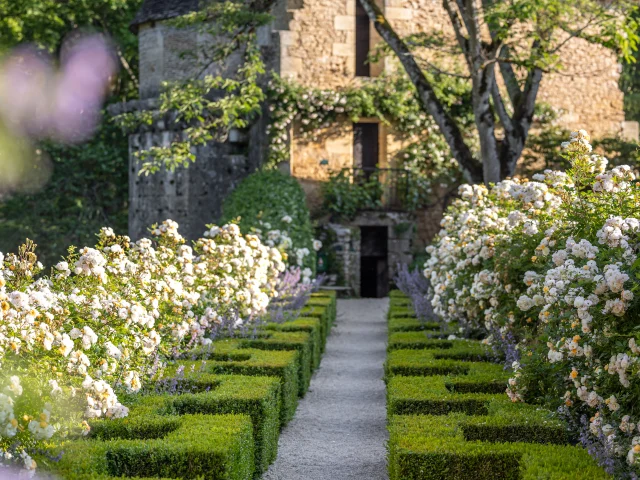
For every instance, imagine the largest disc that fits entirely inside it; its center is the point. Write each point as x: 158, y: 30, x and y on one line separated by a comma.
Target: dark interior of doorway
x: 374, y: 262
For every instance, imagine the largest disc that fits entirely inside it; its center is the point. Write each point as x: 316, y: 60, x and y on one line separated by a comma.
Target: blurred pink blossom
x: 64, y: 105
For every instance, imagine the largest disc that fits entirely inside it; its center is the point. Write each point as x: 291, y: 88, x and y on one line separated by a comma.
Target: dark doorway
x: 363, y: 41
x: 366, y: 145
x: 374, y: 268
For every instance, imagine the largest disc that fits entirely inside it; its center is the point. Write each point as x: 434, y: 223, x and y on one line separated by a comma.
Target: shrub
x: 549, y: 269
x: 206, y: 394
x: 211, y: 446
x: 426, y: 339
x: 310, y: 325
x: 110, y: 315
x: 296, y: 341
x: 462, y: 447
x: 444, y: 357
x: 228, y: 357
x: 273, y: 205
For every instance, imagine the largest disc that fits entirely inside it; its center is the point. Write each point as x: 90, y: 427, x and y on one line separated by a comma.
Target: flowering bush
x: 552, y: 264
x: 272, y: 206
x: 106, y: 317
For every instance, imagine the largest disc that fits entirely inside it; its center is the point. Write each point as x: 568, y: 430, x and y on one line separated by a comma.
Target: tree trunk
x: 426, y: 95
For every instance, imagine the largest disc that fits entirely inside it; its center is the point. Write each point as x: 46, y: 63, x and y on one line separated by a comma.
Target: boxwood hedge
x: 450, y: 419
x: 217, y: 447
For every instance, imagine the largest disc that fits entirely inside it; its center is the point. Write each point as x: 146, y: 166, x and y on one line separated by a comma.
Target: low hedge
x: 436, y: 448
x: 427, y: 339
x: 446, y: 357
x: 298, y: 341
x: 225, y: 417
x: 395, y: 294
x: 258, y: 397
x: 402, y: 312
x: 449, y: 418
x: 310, y: 325
x: 331, y: 295
x: 189, y: 446
x: 411, y: 325
x: 229, y: 357
x: 322, y: 313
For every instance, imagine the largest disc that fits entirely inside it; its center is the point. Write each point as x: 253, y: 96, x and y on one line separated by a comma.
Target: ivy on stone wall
x: 390, y: 99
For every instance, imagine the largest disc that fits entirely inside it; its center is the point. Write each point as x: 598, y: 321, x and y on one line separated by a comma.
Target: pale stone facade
x: 314, y: 43
x: 317, y: 49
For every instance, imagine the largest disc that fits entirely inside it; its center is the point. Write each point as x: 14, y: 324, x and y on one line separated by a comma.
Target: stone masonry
x: 313, y: 42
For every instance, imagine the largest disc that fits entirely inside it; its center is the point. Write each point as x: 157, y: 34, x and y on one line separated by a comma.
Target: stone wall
x: 585, y: 90
x: 190, y: 195
x: 399, y: 244
x: 317, y: 48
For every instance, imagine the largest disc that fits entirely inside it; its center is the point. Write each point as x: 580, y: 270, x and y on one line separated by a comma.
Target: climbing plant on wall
x: 390, y: 99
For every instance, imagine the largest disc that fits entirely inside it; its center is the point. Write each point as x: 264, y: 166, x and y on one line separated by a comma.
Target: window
x: 363, y: 41
x: 366, y: 145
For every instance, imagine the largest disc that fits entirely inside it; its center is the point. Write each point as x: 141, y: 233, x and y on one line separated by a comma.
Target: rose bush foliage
x: 107, y: 317
x: 549, y: 270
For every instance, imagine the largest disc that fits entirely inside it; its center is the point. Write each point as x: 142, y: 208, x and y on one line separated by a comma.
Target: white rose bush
x: 107, y: 317
x: 549, y: 270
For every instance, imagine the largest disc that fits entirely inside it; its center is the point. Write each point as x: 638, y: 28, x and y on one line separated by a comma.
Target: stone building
x: 323, y: 43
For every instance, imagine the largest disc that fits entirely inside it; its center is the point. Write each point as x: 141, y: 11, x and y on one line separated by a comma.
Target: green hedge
x: 402, y: 312
x: 447, y: 357
x: 434, y: 395
x: 449, y: 418
x: 301, y: 342
x: 258, y: 397
x: 189, y: 446
x: 397, y: 294
x: 323, y: 314
x: 407, y: 324
x: 229, y: 357
x: 268, y: 196
x: 310, y: 325
x: 240, y: 393
x: 436, y: 448
x: 427, y: 339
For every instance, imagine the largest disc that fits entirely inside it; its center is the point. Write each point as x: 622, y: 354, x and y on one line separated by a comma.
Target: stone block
x: 344, y: 50
x: 286, y: 37
x: 395, y: 13
x: 290, y: 66
x: 344, y: 23
x: 631, y: 131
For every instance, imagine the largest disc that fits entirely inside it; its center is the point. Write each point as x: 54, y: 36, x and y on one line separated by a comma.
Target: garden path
x: 339, y: 431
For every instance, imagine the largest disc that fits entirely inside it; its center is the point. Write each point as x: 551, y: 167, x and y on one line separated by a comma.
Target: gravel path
x: 339, y: 431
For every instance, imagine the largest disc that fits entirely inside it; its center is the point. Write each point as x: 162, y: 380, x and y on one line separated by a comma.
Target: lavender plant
x: 418, y: 288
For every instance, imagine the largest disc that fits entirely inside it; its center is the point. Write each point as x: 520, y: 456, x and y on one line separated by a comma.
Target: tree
x: 517, y: 40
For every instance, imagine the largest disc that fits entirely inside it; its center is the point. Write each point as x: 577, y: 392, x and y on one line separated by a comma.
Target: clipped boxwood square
x: 217, y: 447
x: 454, y: 360
x: 434, y: 448
x: 411, y: 325
x: 229, y: 357
x: 298, y: 341
x: 427, y: 339
x: 309, y: 325
x: 211, y: 394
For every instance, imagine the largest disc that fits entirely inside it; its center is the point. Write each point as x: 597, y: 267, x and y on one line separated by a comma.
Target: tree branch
x: 426, y: 94
x: 457, y: 28
x: 498, y: 104
x: 509, y: 77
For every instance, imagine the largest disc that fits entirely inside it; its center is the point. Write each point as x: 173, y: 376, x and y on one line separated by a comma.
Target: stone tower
x: 191, y: 196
